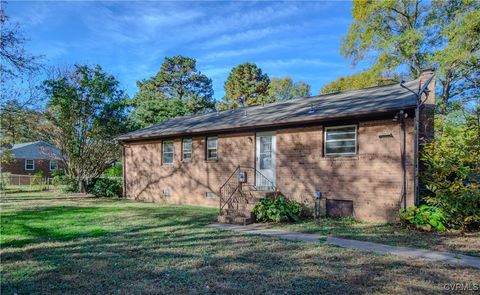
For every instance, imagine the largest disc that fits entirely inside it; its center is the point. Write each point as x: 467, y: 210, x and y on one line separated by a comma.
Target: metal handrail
x: 226, y: 199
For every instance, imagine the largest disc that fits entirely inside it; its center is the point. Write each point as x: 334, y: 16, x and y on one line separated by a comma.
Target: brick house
x: 31, y: 157
x: 346, y: 153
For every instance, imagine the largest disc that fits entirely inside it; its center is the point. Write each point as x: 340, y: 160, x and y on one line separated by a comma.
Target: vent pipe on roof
x: 312, y: 110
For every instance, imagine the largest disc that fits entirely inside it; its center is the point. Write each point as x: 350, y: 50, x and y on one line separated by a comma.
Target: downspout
x: 419, y: 103
x: 401, y: 115
x: 404, y: 169
x: 124, y: 180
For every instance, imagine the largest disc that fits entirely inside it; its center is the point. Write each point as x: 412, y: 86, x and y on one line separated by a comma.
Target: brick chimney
x: 426, y: 131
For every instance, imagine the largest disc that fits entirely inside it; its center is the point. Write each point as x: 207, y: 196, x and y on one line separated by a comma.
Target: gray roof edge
x: 364, y: 115
x: 140, y: 133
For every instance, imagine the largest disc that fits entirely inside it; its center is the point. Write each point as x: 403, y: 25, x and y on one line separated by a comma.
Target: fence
x: 16, y: 182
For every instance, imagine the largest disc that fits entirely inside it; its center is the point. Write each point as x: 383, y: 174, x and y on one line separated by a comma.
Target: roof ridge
x: 374, y: 98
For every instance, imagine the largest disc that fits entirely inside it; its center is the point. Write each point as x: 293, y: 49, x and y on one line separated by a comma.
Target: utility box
x: 242, y: 177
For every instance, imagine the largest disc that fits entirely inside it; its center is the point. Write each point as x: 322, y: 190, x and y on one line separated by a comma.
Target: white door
x: 265, y: 179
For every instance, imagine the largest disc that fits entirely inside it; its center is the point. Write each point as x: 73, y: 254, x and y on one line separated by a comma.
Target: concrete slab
x: 436, y: 256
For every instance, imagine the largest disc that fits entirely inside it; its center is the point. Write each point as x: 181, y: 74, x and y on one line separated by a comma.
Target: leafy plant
x: 106, y: 187
x: 114, y: 171
x: 452, y: 173
x: 38, y: 178
x: 424, y: 217
x: 277, y: 210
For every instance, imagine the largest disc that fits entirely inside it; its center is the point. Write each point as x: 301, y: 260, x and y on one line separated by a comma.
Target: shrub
x: 114, y: 171
x: 277, y: 210
x: 452, y: 173
x: 424, y: 217
x: 69, y: 184
x: 38, y: 178
x: 106, y: 187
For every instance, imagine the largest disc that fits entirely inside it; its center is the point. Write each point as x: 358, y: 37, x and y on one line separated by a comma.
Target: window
x: 29, y: 165
x: 187, y: 149
x: 210, y: 195
x: 53, y: 164
x: 167, y: 152
x: 341, y: 140
x: 212, y: 148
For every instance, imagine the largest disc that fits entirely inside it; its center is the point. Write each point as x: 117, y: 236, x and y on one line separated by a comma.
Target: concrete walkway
x: 436, y: 256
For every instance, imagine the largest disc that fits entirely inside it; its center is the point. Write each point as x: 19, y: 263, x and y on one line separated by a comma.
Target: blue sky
x: 131, y: 39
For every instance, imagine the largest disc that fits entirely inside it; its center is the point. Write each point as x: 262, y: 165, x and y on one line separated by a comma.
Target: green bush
x: 68, y: 184
x: 277, y: 210
x: 424, y: 217
x: 452, y: 173
x: 38, y: 178
x: 106, y: 187
x: 114, y: 171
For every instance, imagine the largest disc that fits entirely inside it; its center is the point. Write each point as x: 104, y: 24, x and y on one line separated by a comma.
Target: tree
x: 246, y: 85
x: 177, y: 89
x: 411, y: 35
x: 18, y: 84
x: 458, y: 63
x: 86, y: 110
x: 359, y: 80
x: 15, y: 60
x: 281, y: 89
x: 19, y: 123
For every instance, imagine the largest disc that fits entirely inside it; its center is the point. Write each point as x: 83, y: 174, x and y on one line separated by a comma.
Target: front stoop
x: 230, y: 219
x: 240, y: 212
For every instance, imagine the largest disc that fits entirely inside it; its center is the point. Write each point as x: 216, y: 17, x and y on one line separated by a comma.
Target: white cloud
x: 216, y: 55
x: 244, y: 36
x: 293, y: 62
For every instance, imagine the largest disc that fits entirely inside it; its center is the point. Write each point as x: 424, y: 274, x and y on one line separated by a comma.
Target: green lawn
x: 391, y: 234
x: 55, y: 244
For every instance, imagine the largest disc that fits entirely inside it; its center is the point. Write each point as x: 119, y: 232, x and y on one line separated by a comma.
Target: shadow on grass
x: 390, y: 234
x: 168, y: 249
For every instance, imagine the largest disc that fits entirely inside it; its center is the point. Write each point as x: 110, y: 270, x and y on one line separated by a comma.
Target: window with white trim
x: 186, y: 149
x: 53, y: 164
x: 167, y: 152
x: 29, y: 164
x: 340, y: 140
x: 212, y: 143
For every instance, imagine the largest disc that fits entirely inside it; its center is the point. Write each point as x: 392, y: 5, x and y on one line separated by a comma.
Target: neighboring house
x: 356, y: 151
x: 31, y: 157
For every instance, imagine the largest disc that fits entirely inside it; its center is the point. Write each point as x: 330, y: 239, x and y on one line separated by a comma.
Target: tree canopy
x: 246, y: 85
x: 177, y: 89
x: 359, y: 80
x: 86, y: 110
x: 19, y: 123
x: 15, y: 59
x: 281, y: 89
x: 400, y: 38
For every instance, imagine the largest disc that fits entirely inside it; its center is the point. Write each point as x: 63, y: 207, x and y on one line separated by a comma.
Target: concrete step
x: 234, y: 219
x: 241, y: 206
x: 234, y: 212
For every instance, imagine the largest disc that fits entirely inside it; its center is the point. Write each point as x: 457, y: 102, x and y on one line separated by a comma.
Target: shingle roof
x: 368, y: 101
x: 35, y: 150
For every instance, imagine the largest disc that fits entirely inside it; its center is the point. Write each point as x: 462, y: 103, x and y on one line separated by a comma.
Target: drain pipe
x: 401, y: 116
x: 419, y: 103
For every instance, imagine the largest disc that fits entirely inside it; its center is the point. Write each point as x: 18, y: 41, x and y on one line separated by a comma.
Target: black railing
x: 243, y: 179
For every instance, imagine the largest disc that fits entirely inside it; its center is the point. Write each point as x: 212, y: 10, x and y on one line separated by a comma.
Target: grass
x: 391, y: 234
x: 55, y: 244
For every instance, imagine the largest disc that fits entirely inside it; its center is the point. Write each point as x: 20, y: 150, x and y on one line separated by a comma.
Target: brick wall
x: 371, y: 179
x: 17, y: 166
x: 188, y: 182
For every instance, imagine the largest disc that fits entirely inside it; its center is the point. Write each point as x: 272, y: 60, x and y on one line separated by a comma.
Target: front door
x: 265, y: 148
